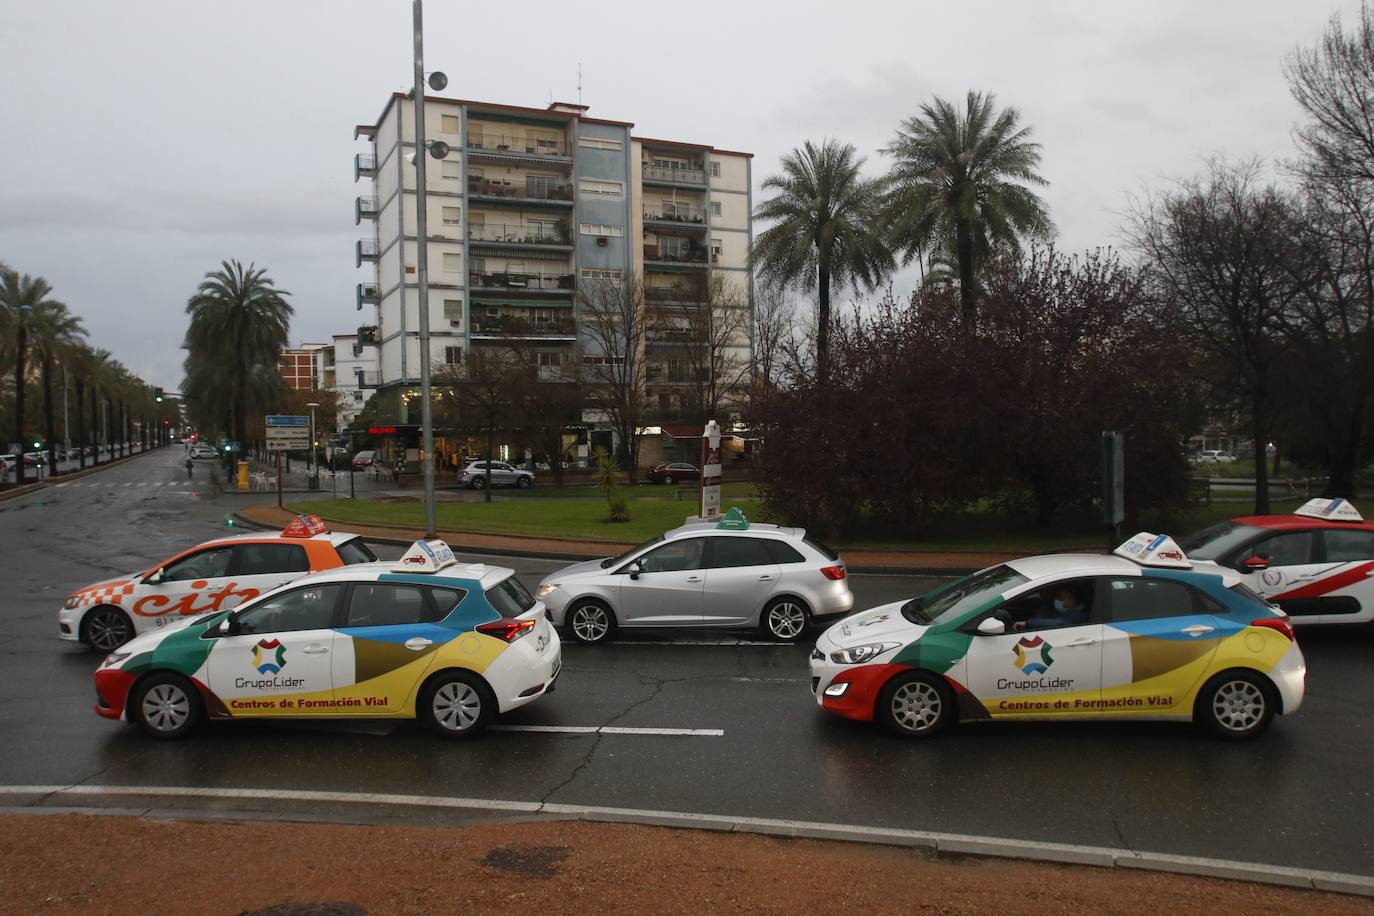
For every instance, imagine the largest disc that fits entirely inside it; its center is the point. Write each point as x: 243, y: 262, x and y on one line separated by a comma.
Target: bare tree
x: 546, y: 401
x: 480, y: 393
x: 707, y: 335
x: 611, y: 318
x: 1333, y: 83
x: 1218, y: 247
x: 773, y: 320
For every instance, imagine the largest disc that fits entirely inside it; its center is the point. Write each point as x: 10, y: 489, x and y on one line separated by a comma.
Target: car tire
x: 668, y: 480
x: 479, y: 483
x: 165, y: 705
x: 590, y: 622
x: 915, y: 704
x: 456, y: 704
x: 1236, y: 704
x: 784, y: 619
x: 106, y: 628
x: 524, y: 483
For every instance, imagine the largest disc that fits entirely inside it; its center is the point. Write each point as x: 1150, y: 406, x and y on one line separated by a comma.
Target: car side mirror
x: 634, y: 570
x: 1254, y: 564
x: 991, y: 626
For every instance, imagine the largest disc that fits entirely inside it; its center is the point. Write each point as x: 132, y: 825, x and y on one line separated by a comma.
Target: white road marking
x: 613, y: 730
x: 61, y: 485
x: 1004, y: 848
x: 701, y: 642
x: 128, y: 485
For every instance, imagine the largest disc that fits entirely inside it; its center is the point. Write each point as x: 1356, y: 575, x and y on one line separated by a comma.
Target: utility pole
x: 422, y: 271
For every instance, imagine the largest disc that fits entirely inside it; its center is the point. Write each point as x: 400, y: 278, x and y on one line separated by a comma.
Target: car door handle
x: 1080, y: 644
x: 315, y: 650
x: 765, y: 578
x: 417, y: 643
x: 694, y: 578
x: 1198, y: 629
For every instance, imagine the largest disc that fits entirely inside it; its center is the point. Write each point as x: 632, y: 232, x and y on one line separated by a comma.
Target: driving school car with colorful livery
x: 423, y: 638
x: 214, y: 576
x: 1143, y: 633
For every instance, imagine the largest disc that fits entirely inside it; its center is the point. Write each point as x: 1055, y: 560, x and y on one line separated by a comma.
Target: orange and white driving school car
x: 217, y: 575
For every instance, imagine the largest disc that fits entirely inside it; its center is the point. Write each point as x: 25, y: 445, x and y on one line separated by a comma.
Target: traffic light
x: 37, y: 444
x: 157, y: 395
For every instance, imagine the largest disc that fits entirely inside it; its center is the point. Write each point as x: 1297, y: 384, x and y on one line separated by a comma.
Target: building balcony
x: 369, y: 378
x: 521, y: 282
x: 366, y: 250
x: 521, y: 235
x: 364, y: 165
x: 508, y: 148
x: 368, y: 294
x: 369, y: 335
x: 687, y: 257
x: 364, y: 208
x: 506, y: 326
x: 558, y: 193
x: 682, y: 178
x: 676, y: 217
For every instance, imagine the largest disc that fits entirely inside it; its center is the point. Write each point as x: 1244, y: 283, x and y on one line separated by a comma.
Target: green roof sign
x: 733, y: 520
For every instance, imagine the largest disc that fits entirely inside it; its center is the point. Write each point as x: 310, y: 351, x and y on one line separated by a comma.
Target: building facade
x: 529, y: 205
x: 354, y: 372
x: 302, y: 368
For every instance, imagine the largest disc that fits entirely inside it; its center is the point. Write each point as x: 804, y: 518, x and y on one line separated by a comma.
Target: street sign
x: 710, y: 470
x: 287, y: 433
x: 287, y: 421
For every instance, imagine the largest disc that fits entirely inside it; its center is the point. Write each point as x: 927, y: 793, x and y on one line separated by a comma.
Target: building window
x: 451, y: 171
x: 453, y: 355
x: 453, y: 263
x: 598, y: 143
x: 597, y: 229
x: 453, y: 309
x: 549, y: 360
x: 448, y: 124
x: 716, y: 248
x: 715, y: 208
x: 603, y: 188
x: 715, y: 169
x: 453, y: 216
x: 602, y: 273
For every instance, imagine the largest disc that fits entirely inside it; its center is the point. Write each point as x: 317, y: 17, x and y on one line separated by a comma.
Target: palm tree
x: 238, y: 314
x: 53, y: 330
x: 20, y: 297
x: 959, y: 183
x: 98, y: 375
x: 826, y: 228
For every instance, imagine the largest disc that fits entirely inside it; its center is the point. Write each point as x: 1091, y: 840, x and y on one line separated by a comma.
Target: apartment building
x: 302, y: 368
x: 354, y: 372
x: 530, y: 204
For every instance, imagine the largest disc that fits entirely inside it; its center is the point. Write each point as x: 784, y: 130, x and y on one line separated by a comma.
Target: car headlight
x: 114, y: 658
x: 547, y: 588
x: 71, y: 602
x: 856, y: 654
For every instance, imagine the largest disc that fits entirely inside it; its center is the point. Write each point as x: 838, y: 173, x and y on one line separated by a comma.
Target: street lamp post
x: 422, y: 263
x: 312, y: 468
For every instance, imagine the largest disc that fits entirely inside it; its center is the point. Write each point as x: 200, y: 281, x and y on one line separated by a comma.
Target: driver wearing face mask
x: 1067, y: 611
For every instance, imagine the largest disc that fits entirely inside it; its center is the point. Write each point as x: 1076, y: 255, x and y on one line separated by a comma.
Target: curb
x: 941, y: 571
x: 948, y: 843
x: 46, y: 482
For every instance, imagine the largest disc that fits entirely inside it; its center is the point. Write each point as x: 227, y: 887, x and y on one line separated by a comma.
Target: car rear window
x: 1246, y: 592
x: 817, y: 545
x: 784, y: 553
x: 355, y: 551
x: 510, y: 597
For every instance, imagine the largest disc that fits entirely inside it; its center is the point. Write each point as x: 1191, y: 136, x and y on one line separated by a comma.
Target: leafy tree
x: 239, y: 323
x: 826, y: 228
x: 960, y: 185
x: 53, y: 331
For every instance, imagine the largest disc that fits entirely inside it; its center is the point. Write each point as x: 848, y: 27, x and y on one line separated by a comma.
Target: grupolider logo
x: 269, y: 656
x: 1032, y: 655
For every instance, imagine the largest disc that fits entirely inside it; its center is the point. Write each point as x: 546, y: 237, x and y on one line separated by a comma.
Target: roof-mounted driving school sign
x: 710, y: 471
x: 1333, y: 510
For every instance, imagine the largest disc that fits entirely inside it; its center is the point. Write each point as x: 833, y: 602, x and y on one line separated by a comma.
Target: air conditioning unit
x: 602, y: 241
x: 455, y: 322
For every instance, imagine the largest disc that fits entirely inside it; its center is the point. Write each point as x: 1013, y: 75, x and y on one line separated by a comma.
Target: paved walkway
x: 906, y: 561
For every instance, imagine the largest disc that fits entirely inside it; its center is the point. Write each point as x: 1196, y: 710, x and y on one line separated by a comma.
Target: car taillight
x: 1277, y: 623
x: 833, y: 573
x: 506, y: 629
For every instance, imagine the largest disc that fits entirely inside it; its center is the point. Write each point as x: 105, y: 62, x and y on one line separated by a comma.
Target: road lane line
x: 955, y: 843
x: 701, y: 642
x: 612, y: 730
x: 60, y: 485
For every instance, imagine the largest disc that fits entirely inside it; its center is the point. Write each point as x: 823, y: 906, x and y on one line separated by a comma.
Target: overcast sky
x: 146, y: 141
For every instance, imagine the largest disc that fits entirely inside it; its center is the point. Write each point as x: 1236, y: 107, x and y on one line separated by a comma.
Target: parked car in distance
x: 1215, y: 456
x: 672, y: 473
x: 364, y: 460
x: 201, y: 450
x: 474, y: 475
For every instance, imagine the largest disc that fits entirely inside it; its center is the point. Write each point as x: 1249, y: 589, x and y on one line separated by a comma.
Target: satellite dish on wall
x: 437, y: 81
x: 438, y: 149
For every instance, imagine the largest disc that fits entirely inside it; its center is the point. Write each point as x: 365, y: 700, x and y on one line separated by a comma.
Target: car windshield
x: 1217, y: 541
x: 961, y: 597
x: 612, y: 561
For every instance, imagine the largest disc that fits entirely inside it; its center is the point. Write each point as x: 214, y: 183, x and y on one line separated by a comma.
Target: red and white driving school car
x: 215, y: 576
x: 1317, y: 564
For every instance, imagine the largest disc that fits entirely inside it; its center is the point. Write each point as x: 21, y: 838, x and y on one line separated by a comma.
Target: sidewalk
x: 861, y: 561
x: 78, y: 863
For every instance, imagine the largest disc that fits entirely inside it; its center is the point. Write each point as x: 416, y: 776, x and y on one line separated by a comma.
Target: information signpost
x: 286, y: 433
x: 1113, y: 486
x: 710, y: 471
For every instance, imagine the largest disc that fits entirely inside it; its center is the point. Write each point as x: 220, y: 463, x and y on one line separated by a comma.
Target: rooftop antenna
x: 579, y: 82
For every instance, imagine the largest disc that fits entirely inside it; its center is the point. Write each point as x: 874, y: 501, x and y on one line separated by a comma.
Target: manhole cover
x: 527, y: 861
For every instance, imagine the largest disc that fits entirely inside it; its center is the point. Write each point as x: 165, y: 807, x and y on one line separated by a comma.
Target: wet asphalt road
x: 1300, y: 795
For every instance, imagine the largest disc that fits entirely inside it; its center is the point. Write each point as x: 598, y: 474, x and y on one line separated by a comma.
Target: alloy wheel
x: 786, y: 620
x: 1238, y: 705
x: 590, y: 622
x: 108, y: 629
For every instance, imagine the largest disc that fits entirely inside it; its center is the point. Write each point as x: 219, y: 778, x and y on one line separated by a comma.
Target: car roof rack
x: 1332, y: 510
x: 1154, y: 550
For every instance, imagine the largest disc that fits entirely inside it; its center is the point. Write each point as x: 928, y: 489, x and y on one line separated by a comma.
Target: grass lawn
x: 653, y: 512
